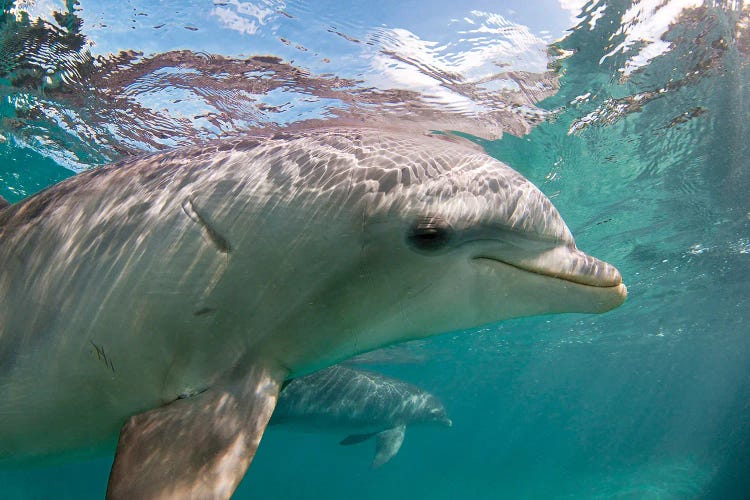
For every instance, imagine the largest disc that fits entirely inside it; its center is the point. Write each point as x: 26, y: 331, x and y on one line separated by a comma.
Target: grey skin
x: 361, y: 403
x: 175, y: 293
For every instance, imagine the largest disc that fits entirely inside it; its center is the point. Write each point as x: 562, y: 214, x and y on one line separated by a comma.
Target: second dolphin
x: 361, y: 403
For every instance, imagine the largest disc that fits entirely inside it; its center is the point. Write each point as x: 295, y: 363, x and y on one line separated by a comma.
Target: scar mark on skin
x: 203, y: 311
x: 192, y: 394
x: 221, y: 243
x: 102, y: 356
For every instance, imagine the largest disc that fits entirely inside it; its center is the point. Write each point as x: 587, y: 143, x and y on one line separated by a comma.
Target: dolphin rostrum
x: 362, y: 403
x: 175, y: 293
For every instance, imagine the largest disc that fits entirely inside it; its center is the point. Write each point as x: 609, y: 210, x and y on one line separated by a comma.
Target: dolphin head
x: 462, y: 240
x: 431, y: 410
x: 406, y: 236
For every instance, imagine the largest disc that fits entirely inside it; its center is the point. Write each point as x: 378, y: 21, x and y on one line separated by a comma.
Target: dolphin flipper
x: 198, y: 447
x: 387, y: 444
x: 3, y: 203
x: 356, y: 438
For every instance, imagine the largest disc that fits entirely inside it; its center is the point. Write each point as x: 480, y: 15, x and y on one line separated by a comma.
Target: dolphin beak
x: 580, y: 282
x: 564, y: 262
x: 571, y: 264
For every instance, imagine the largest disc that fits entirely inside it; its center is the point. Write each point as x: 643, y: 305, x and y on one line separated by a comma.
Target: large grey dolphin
x: 175, y: 293
x: 362, y: 403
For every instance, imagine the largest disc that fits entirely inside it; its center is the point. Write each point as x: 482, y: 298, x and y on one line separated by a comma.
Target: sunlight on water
x: 168, y: 84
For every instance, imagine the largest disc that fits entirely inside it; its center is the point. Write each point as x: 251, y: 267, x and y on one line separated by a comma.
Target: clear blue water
x: 643, y: 148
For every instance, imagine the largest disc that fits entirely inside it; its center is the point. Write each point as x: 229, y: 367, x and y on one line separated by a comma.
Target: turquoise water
x: 646, y: 159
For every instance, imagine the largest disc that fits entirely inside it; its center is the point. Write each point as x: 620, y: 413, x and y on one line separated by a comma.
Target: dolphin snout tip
x: 616, y: 276
x: 614, y: 297
x: 602, y: 273
x: 622, y: 290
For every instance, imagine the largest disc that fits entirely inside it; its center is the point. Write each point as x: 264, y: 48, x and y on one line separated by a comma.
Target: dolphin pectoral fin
x: 356, y: 438
x: 3, y: 203
x: 387, y: 444
x: 197, y: 447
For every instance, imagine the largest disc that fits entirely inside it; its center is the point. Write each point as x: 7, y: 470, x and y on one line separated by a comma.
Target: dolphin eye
x: 429, y: 234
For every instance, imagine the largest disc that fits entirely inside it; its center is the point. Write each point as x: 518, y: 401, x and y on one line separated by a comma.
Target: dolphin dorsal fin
x: 387, y: 444
x: 3, y: 203
x: 197, y: 447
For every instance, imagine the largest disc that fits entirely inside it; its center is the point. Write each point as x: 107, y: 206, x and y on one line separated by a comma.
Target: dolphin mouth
x: 566, y: 263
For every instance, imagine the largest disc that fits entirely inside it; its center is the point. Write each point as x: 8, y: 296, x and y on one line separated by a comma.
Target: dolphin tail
x: 387, y: 444
x: 198, y: 447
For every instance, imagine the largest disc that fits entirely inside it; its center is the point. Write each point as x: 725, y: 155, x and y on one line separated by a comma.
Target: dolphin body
x: 176, y: 292
x: 362, y: 403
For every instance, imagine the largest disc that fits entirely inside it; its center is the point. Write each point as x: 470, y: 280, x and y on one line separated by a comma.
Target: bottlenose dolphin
x: 176, y: 292
x: 362, y: 403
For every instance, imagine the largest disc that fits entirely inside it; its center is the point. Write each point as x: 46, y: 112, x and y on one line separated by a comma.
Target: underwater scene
x: 393, y: 239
